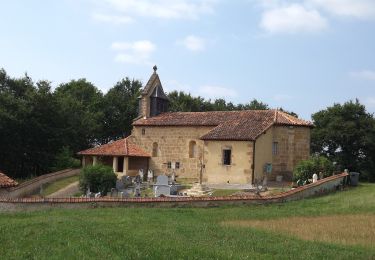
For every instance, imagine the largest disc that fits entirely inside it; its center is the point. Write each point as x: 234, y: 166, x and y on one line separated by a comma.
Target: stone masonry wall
x: 324, y: 186
x: 173, y: 146
x: 293, y: 146
x: 240, y: 170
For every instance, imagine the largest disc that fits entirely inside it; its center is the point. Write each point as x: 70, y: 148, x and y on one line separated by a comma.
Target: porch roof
x: 122, y: 147
x: 6, y: 182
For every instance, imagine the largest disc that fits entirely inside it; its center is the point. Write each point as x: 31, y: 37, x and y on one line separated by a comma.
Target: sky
x: 301, y: 55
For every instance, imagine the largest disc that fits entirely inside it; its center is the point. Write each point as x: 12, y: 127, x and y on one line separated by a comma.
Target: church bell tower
x: 153, y: 101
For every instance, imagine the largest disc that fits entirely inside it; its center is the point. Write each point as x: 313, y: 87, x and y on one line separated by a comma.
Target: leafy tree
x: 253, y: 105
x: 98, y: 178
x: 120, y: 107
x: 346, y: 134
x: 182, y: 102
x: 65, y: 159
x: 80, y: 105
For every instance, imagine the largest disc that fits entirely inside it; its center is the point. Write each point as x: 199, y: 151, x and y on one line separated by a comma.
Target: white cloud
x: 293, y: 18
x: 165, y: 9
x: 113, y: 19
x: 138, y: 52
x: 193, y: 43
x: 363, y: 74
x: 209, y: 91
x: 363, y: 9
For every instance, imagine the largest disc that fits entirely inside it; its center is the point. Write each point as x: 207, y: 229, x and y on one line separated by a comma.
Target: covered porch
x: 125, y: 157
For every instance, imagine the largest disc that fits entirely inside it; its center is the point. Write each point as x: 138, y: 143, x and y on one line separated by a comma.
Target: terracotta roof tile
x: 122, y: 147
x: 229, y: 125
x: 6, y: 182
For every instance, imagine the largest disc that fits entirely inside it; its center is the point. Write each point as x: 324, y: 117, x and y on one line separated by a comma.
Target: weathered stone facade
x: 173, y: 145
x: 293, y: 146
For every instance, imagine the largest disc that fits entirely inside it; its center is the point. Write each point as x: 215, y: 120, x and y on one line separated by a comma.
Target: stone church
x: 214, y: 147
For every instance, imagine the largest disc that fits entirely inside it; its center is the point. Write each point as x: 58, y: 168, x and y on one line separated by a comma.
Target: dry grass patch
x: 343, y: 229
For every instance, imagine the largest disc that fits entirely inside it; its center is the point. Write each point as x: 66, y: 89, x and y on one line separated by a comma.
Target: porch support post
x: 94, y: 160
x: 126, y: 165
x: 115, y: 164
x: 83, y: 161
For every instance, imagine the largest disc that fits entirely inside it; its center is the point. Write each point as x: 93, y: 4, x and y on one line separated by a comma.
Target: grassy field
x: 57, y: 185
x: 291, y: 230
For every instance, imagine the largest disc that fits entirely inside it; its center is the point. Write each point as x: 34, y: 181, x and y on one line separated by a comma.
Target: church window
x: 192, y: 149
x: 227, y: 154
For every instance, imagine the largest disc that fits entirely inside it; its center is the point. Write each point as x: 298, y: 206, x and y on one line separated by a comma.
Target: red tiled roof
x: 229, y: 125
x: 122, y: 147
x: 6, y: 182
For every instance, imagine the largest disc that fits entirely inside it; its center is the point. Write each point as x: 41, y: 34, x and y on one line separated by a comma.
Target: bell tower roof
x: 153, y: 99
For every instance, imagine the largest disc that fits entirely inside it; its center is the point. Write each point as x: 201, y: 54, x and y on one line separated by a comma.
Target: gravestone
x: 150, y: 175
x: 315, y: 177
x: 161, y: 186
x: 137, y: 179
x: 127, y: 180
x: 141, y: 174
x: 120, y: 185
x: 137, y: 190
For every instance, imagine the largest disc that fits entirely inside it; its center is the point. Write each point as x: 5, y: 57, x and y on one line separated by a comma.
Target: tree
x: 182, y: 102
x: 98, y: 178
x: 253, y: 105
x: 346, y: 134
x: 80, y: 105
x: 120, y: 107
x: 305, y: 169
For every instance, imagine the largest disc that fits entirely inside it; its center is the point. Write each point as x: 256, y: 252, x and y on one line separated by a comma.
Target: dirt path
x: 67, y: 191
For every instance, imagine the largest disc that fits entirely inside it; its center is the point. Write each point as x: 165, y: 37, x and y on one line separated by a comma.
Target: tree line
x: 42, y: 127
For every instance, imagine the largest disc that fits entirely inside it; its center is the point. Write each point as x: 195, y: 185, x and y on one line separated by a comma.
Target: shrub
x: 304, y: 170
x: 64, y: 160
x: 98, y: 178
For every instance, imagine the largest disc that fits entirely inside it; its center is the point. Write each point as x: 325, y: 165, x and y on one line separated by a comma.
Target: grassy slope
x: 58, y: 185
x: 121, y: 233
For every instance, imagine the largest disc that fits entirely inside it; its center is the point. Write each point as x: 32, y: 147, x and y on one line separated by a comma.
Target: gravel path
x: 67, y: 191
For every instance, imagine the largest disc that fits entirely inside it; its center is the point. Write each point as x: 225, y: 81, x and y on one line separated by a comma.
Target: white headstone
x: 141, y: 174
x: 315, y: 177
x: 150, y: 175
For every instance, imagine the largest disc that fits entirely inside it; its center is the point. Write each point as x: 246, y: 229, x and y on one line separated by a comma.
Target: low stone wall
x: 29, y: 187
x: 321, y: 187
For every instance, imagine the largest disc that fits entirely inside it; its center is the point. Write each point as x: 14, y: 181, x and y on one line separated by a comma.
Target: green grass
x: 58, y: 185
x: 219, y: 192
x: 179, y: 233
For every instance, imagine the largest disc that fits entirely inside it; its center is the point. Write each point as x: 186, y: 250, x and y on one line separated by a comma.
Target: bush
x: 98, y: 178
x: 304, y: 170
x: 64, y: 160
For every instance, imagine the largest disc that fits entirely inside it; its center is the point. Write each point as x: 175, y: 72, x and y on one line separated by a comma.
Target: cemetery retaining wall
x: 321, y: 187
x: 30, y: 187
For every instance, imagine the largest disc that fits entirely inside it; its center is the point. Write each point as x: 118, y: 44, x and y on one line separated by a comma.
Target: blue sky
x: 300, y: 55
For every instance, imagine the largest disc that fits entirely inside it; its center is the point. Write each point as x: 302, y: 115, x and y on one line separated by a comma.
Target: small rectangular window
x: 227, y: 153
x: 143, y: 131
x: 169, y: 165
x: 275, y: 148
x: 177, y: 165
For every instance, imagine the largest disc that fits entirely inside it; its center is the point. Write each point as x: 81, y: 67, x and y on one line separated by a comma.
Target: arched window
x: 192, y: 149
x: 155, y: 149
